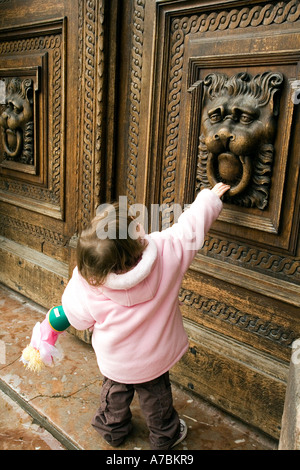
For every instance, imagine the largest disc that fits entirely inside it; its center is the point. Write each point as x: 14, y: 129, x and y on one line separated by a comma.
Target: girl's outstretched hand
x: 220, y: 188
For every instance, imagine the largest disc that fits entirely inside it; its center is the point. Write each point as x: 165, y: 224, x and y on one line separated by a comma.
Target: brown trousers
x: 113, y: 418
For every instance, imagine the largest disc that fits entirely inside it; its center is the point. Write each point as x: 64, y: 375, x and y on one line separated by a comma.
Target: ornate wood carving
x: 239, y: 127
x: 235, y: 317
x: 241, y: 17
x: 279, y: 266
x: 136, y: 64
x: 16, y: 121
x: 32, y: 230
x: 38, y: 50
x: 91, y: 53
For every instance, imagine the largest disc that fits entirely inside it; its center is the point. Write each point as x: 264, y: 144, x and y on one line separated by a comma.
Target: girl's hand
x: 220, y: 188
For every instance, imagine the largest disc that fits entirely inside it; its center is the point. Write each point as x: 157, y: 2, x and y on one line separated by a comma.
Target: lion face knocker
x: 16, y: 121
x: 238, y: 130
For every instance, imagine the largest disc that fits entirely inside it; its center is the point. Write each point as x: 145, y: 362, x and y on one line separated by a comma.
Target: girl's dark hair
x: 105, y: 246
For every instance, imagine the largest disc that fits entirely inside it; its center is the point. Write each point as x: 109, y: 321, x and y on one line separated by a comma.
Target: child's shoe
x: 183, y: 433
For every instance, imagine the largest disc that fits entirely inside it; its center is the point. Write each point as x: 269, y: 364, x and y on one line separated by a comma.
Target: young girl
x: 126, y: 289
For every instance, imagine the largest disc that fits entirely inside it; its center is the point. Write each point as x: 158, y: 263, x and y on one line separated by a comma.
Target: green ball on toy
x: 57, y: 319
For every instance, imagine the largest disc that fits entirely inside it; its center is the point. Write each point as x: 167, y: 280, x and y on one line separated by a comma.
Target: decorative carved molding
x: 136, y: 64
x: 99, y: 101
x: 58, y: 120
x: 231, y: 315
x: 30, y: 44
x: 253, y: 258
x: 32, y: 230
x: 243, y: 17
x: 29, y: 191
x: 91, y: 53
x: 88, y: 63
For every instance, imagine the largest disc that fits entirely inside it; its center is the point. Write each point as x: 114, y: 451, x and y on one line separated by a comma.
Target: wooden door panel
x: 36, y: 55
x: 39, y: 113
x: 52, y: 63
x: 180, y: 145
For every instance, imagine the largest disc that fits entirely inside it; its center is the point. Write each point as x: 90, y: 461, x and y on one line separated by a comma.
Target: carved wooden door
x: 210, y: 92
x: 157, y: 99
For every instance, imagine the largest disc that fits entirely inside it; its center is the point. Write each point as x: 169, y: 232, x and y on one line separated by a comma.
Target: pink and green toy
x: 41, y: 350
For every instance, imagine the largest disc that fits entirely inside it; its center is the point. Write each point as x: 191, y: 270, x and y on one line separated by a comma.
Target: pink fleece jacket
x: 138, y: 332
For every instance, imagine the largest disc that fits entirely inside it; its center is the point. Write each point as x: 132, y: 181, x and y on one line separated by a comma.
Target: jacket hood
x: 138, y: 285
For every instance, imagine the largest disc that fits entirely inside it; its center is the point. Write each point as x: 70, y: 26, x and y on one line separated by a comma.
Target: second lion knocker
x: 17, y: 123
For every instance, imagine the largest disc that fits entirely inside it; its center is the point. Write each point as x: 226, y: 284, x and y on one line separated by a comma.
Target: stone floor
x: 53, y: 410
